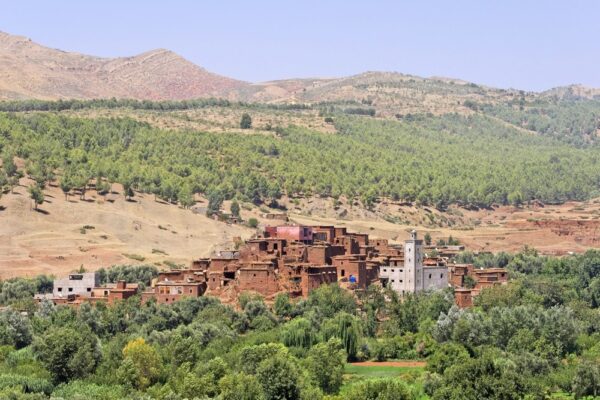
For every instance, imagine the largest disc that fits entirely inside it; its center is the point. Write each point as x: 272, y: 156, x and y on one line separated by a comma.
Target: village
x: 297, y: 259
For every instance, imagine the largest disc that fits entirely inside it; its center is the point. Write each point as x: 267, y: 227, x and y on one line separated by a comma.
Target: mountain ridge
x: 29, y: 70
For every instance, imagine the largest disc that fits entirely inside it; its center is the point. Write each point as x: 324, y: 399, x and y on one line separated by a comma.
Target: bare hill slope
x: 29, y: 70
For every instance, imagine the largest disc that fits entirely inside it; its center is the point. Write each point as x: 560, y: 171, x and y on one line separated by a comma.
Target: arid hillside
x: 100, y: 231
x: 29, y: 70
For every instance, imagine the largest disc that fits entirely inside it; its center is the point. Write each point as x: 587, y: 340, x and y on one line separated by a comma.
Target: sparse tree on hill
x: 235, y: 208
x: 186, y: 197
x: 128, y: 189
x: 246, y: 121
x: 66, y: 185
x: 215, y: 200
x: 427, y: 238
x: 36, y: 195
x: 8, y: 164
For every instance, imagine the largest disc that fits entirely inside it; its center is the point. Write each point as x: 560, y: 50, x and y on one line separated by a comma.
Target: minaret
x: 413, y: 263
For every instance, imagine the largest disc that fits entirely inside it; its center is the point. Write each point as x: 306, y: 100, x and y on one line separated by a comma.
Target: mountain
x: 29, y: 70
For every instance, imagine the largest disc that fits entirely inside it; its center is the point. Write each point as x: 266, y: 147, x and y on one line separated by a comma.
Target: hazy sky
x: 523, y: 44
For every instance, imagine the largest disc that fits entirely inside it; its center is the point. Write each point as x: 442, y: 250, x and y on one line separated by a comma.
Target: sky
x: 526, y: 44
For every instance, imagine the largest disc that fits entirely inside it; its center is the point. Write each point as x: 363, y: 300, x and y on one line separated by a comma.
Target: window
x: 384, y: 270
x: 400, y: 281
x: 59, y: 289
x: 343, y: 273
x: 393, y: 280
x: 392, y: 270
x: 106, y: 292
x: 429, y: 276
x: 70, y: 289
x: 89, y: 289
x: 441, y: 276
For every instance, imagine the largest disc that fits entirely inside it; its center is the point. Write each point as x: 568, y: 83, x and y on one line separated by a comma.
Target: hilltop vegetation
x: 472, y: 160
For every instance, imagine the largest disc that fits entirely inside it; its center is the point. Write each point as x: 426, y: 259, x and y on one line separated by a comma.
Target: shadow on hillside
x: 131, y: 200
x: 42, y: 211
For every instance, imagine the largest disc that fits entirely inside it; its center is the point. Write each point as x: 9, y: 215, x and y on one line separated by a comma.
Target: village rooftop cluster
x: 297, y: 259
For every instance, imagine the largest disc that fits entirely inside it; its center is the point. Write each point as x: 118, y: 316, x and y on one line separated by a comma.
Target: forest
x: 537, y: 338
x: 474, y: 161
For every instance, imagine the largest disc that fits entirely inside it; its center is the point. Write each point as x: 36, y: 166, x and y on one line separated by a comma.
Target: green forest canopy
x: 475, y: 160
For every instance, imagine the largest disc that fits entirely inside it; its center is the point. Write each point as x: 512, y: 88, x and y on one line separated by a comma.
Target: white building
x: 413, y: 277
x: 75, y: 284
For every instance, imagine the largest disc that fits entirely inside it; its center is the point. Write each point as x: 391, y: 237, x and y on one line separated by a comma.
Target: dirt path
x: 390, y: 364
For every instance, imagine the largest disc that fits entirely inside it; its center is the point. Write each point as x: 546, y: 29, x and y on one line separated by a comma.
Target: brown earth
x: 409, y: 364
x: 573, y: 227
x: 53, y: 240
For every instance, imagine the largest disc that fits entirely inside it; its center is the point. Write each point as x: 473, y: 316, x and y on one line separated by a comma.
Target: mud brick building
x: 480, y: 278
x: 294, y: 259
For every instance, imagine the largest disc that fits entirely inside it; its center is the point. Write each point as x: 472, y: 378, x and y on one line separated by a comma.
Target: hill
x: 29, y: 70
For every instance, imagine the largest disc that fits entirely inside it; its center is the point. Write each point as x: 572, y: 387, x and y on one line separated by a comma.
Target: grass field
x: 410, y: 375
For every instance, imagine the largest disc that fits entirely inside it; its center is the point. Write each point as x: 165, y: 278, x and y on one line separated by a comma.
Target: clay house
x: 170, y: 291
x: 291, y: 233
x: 314, y: 276
x: 113, y: 292
x: 258, y: 277
x: 352, y: 268
x: 480, y: 278
x: 276, y: 216
x: 463, y: 297
x: 323, y: 234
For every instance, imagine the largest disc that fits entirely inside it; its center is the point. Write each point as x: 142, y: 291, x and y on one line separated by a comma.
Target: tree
x: 447, y: 355
x: 299, y: 332
x: 66, y: 185
x: 8, y: 164
x: 37, y: 196
x: 488, y: 374
x: 379, y: 389
x: 246, y: 121
x: 587, y: 380
x: 347, y: 328
x: 186, y: 197
x: 215, y: 201
x: 128, y: 189
x: 235, y: 209
x: 141, y: 365
x: 427, y: 238
x: 279, y: 377
x: 239, y: 386
x: 15, y: 329
x: 326, y: 363
x: 283, y: 306
x: 252, y: 222
x: 67, y: 353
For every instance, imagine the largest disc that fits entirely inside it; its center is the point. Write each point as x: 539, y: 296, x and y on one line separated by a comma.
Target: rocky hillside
x: 29, y: 70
